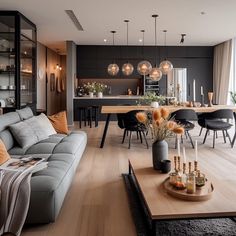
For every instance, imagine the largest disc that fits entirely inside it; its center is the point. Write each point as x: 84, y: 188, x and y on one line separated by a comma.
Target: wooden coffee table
x: 159, y: 205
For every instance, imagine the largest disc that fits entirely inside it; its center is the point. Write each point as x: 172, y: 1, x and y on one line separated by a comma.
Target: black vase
x: 159, y: 153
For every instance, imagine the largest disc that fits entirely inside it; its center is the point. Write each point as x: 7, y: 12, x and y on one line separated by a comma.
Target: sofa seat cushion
x: 47, y: 180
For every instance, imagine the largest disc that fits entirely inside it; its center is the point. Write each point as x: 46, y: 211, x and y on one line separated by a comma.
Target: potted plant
x: 90, y: 88
x: 233, y: 97
x: 152, y: 99
x: 100, y: 87
x: 162, y: 127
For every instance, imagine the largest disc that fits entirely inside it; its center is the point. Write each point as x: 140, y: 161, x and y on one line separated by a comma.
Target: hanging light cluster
x: 144, y: 67
x: 113, y: 68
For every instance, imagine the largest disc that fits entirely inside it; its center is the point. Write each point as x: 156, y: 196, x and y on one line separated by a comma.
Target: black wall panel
x: 92, y: 62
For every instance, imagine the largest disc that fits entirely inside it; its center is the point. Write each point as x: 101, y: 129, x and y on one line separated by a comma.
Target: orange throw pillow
x: 4, y: 156
x: 59, y: 122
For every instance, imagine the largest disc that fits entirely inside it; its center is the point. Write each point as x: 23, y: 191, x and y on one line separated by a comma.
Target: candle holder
x: 202, y: 101
x: 210, y: 98
x: 200, y: 179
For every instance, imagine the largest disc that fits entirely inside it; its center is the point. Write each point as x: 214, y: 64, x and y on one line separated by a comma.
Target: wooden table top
x: 124, y: 109
x: 163, y: 206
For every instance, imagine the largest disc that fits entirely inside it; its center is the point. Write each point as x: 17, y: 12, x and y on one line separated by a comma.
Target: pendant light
x: 113, y: 68
x: 155, y: 73
x: 144, y: 67
x: 165, y: 65
x: 127, y: 68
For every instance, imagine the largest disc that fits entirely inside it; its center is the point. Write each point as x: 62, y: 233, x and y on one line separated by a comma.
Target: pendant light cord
x: 165, y: 43
x: 113, y: 43
x: 143, y: 31
x: 127, y: 33
x: 155, y: 16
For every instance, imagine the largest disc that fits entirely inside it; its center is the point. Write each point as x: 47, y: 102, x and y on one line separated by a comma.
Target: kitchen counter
x: 111, y: 97
x: 106, y: 100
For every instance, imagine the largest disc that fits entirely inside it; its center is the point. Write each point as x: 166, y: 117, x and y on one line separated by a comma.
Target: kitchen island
x: 109, y: 100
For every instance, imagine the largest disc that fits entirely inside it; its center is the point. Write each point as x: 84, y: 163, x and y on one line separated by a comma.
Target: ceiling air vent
x: 74, y: 19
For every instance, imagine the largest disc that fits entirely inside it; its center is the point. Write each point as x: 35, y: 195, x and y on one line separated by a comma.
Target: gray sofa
x: 48, y: 186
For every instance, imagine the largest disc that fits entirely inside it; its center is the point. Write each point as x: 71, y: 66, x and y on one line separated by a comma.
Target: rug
x: 213, y: 227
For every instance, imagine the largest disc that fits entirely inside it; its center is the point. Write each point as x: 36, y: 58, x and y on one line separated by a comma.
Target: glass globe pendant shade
x: 113, y: 69
x: 144, y: 67
x: 127, y: 69
x: 155, y: 74
x: 165, y: 67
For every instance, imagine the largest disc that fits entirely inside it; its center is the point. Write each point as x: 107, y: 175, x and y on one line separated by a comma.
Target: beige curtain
x: 221, y: 71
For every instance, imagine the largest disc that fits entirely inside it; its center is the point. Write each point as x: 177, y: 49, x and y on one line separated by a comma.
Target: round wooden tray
x: 202, y: 194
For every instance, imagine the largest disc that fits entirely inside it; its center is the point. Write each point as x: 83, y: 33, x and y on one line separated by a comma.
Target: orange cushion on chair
x: 4, y: 156
x: 59, y: 122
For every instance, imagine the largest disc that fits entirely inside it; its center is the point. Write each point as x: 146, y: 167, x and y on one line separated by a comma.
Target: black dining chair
x: 184, y: 118
x: 218, y: 121
x: 131, y: 125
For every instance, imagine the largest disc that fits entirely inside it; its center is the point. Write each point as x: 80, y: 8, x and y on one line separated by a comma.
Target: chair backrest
x: 184, y: 114
x: 130, y: 119
x: 120, y: 119
x: 221, y: 114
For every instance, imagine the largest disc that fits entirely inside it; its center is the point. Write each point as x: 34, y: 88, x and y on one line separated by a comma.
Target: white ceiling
x: 99, y: 17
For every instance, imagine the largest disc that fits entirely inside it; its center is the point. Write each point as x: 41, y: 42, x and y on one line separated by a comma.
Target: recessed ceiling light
x: 105, y: 40
x: 140, y: 40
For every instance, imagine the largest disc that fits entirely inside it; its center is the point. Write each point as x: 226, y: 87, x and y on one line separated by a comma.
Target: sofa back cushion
x: 28, y: 132
x: 4, y: 156
x: 6, y: 136
x: 25, y: 113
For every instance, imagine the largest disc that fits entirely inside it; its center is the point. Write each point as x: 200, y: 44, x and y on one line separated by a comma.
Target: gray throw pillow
x: 46, y: 124
x: 28, y: 132
x: 23, y: 134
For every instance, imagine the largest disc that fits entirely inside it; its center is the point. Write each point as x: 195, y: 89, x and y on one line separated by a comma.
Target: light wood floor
x: 97, y: 204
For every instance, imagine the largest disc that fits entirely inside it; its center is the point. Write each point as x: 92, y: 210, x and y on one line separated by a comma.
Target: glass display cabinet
x: 18, y: 45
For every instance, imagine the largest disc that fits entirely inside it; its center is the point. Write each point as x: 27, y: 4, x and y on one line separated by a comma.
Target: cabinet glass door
x: 27, y: 63
x: 7, y: 61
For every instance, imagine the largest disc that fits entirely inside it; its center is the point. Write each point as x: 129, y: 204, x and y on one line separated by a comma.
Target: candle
x: 194, y: 91
x: 201, y: 90
x: 196, y: 154
x: 184, y: 155
x: 178, y: 146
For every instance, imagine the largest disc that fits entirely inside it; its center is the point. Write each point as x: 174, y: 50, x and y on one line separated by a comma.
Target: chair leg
x: 227, y: 134
x: 200, y: 133
x: 130, y: 134
x: 223, y: 132
x: 186, y: 135
x: 80, y: 118
x: 144, y: 136
x: 85, y: 117
x: 124, y: 136
x: 190, y: 138
x: 214, y: 138
x: 137, y: 134
x: 140, y: 135
x: 216, y: 134
x: 204, y: 140
x: 182, y: 141
x: 90, y: 118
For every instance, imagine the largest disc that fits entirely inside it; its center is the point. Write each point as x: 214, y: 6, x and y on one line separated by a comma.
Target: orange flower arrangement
x: 161, y: 126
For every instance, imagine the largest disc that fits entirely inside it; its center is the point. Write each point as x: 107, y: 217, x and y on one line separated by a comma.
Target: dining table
x: 108, y: 110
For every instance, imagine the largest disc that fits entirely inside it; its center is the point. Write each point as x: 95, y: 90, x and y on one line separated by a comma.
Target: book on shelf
x: 27, y: 163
